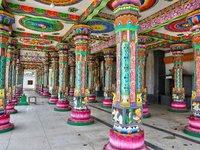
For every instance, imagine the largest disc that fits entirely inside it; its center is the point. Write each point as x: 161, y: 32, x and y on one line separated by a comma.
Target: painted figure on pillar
x: 193, y: 128
x: 96, y: 75
x: 72, y: 63
x: 141, y: 88
x: 9, y: 66
x: 6, y: 21
x: 80, y: 114
x: 108, y: 90
x: 46, y: 77
x: 127, y: 105
x: 178, y: 92
x: 55, y: 67
x: 63, y: 103
x: 91, y: 88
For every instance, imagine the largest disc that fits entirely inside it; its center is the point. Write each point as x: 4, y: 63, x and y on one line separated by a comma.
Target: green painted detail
x: 6, y: 130
x: 40, y: 11
x: 14, y: 112
x: 179, y: 111
x: 52, y: 103
x: 163, y: 24
x: 107, y: 107
x: 80, y: 124
x: 192, y: 133
x: 45, y: 96
x: 62, y: 110
x: 21, y: 104
x: 13, y: 6
x: 42, y: 17
x: 96, y: 11
x: 92, y: 101
x: 148, y: 116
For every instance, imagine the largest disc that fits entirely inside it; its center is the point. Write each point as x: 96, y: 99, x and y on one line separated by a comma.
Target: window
x: 30, y: 82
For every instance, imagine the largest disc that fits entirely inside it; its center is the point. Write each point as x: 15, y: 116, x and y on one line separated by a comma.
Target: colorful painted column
x: 63, y: 103
x: 14, y: 99
x: 80, y: 114
x: 72, y: 62
x: 7, y: 20
x: 91, y: 88
x: 8, y: 77
x: 46, y: 77
x: 141, y: 88
x: 127, y: 105
x: 42, y: 78
x: 19, y: 79
x: 55, y: 67
x: 96, y: 74
x: 108, y: 90
x: 193, y: 128
x: 36, y: 89
x: 178, y: 93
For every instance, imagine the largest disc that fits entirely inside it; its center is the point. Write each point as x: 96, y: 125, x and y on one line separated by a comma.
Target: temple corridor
x: 40, y: 127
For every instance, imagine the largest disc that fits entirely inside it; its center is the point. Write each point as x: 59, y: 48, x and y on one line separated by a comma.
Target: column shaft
x: 72, y: 74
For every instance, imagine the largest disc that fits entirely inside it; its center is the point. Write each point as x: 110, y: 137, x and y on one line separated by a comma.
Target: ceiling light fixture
x: 52, y: 5
x: 41, y: 34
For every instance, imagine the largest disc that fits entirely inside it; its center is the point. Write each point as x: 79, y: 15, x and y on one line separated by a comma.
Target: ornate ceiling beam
x: 174, y: 12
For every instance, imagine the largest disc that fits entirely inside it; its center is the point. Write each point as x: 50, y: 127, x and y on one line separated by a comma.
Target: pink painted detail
x: 92, y: 98
x: 71, y: 93
x: 14, y: 100
x: 133, y: 72
x: 17, y: 94
x: 62, y: 105
x: 53, y: 99
x: 178, y: 105
x: 107, y: 103
x: 191, y: 129
x: 80, y: 115
x: 118, y: 91
x: 126, y: 142
x: 146, y: 114
x: 145, y: 108
x: 80, y: 121
x: 109, y: 147
x: 45, y: 94
x: 10, y: 107
x: 179, y: 109
x: 194, y: 122
x: 4, y: 119
x: 42, y: 92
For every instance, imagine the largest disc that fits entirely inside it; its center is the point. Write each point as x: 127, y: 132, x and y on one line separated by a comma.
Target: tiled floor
x: 39, y: 127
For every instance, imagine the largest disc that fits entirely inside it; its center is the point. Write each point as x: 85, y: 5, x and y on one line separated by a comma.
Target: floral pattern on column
x: 55, y: 69
x: 127, y: 104
x: 178, y: 92
x: 72, y: 62
x: 63, y: 103
x: 141, y: 60
x: 6, y: 21
x: 108, y: 90
x: 80, y: 114
x: 46, y: 77
x: 193, y: 128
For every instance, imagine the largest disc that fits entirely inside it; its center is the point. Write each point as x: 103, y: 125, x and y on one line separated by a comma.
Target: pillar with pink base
x: 80, y: 114
x: 46, y: 77
x: 72, y: 73
x: 127, y: 106
x: 108, y: 96
x: 6, y: 21
x: 193, y: 128
x: 16, y: 54
x: 10, y: 106
x: 141, y: 89
x: 91, y: 89
x: 178, y: 104
x: 55, y: 69
x: 63, y: 103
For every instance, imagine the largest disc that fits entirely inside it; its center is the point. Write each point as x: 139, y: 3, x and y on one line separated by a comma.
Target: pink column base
x: 109, y: 147
x: 10, y: 108
x: 80, y: 121
x: 121, y: 142
x: 53, y: 100
x: 194, y: 122
x: 45, y: 94
x: 14, y: 100
x: 17, y: 94
x: 62, y: 106
x: 71, y: 93
x: 145, y: 109
x: 191, y: 129
x: 4, y: 122
x: 178, y: 105
x: 80, y: 115
x: 92, y: 99
x: 107, y: 103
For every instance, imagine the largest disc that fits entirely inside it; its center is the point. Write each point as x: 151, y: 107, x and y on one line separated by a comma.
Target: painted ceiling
x: 41, y: 24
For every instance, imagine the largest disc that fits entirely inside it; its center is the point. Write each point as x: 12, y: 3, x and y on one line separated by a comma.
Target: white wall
x: 28, y: 77
x: 150, y: 73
